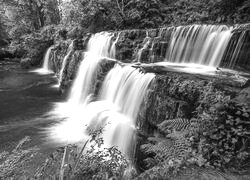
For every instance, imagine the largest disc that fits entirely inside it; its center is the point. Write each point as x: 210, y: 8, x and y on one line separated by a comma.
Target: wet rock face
x: 71, y: 68
x: 36, y: 53
x: 150, y: 44
x: 178, y: 107
x: 178, y: 95
x: 170, y: 96
x: 58, y: 53
x: 127, y: 44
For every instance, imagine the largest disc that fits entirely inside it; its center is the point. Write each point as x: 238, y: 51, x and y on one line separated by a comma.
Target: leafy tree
x: 3, y: 33
x: 27, y: 15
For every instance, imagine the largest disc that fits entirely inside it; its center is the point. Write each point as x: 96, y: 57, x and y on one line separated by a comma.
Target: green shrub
x: 101, y: 163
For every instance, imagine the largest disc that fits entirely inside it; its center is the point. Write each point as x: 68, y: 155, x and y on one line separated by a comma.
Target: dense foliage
x: 26, y: 16
x: 92, y: 162
x: 217, y: 138
x: 155, y: 13
x: 77, y: 17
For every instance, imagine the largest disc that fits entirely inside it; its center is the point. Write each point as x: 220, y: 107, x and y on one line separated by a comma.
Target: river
x: 25, y: 100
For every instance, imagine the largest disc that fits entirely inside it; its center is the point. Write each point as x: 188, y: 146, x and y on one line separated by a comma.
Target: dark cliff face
x: 150, y: 44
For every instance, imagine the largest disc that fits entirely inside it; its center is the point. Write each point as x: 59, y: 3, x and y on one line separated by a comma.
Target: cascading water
x: 117, y: 107
x: 123, y: 89
x: 46, y: 60
x: 71, y: 130
x: 65, y: 59
x: 145, y: 43
x: 199, y: 44
x: 46, y: 64
x: 113, y: 48
x: 98, y: 48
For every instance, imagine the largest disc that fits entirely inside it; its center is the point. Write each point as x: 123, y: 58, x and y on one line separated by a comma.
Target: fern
x: 178, y: 124
x: 159, y: 146
x: 166, y: 149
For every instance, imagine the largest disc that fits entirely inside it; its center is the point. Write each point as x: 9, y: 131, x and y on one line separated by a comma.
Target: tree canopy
x: 19, y: 17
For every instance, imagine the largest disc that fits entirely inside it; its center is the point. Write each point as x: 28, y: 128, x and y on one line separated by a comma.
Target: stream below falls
x: 25, y: 99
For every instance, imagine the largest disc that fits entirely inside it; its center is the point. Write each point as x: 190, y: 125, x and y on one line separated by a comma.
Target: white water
x: 46, y: 65
x: 98, y: 48
x: 145, y: 43
x: 113, y: 48
x: 124, y: 89
x: 199, y: 44
x: 74, y: 111
x: 65, y: 59
x: 116, y: 108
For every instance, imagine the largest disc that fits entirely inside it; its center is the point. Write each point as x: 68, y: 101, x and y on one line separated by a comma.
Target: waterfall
x: 116, y: 110
x: 45, y: 66
x: 117, y: 106
x: 119, y: 100
x: 145, y: 43
x: 45, y: 69
x: 113, y: 48
x: 123, y: 89
x: 81, y: 90
x: 98, y: 48
x: 65, y: 59
x: 199, y: 44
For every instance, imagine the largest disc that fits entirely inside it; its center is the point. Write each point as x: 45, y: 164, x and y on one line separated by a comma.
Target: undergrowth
x: 93, y: 161
x: 216, y: 139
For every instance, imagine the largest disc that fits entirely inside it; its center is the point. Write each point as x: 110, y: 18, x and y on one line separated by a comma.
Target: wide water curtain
x: 200, y: 44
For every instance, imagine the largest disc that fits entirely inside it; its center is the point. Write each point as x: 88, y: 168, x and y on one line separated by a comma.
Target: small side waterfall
x: 113, y: 48
x: 45, y: 66
x: 145, y: 43
x: 70, y: 49
x: 199, y: 44
x: 45, y: 69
